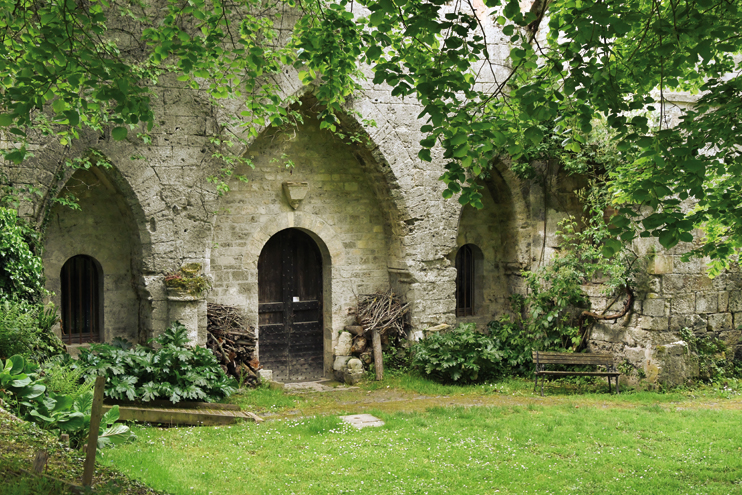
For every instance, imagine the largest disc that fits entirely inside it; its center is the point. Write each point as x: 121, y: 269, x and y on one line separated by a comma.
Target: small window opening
x: 81, y: 300
x: 465, y: 281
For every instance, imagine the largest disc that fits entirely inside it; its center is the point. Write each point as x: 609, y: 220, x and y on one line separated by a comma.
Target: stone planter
x: 188, y: 310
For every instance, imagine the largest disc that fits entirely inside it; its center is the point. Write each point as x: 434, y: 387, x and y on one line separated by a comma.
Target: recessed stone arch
x: 333, y: 262
x: 105, y: 228
x: 348, y: 210
x: 501, y: 230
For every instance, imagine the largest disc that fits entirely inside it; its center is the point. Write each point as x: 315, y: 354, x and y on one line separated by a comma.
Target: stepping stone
x: 362, y: 420
x: 314, y: 387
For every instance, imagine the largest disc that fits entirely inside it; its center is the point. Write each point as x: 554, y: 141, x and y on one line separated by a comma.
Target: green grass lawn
x: 592, y: 443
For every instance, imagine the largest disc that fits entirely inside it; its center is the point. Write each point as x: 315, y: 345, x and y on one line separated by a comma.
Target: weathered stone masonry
x: 374, y: 210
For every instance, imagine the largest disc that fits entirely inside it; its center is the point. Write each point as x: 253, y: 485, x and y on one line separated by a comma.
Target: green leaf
x: 119, y: 133
x: 534, y: 134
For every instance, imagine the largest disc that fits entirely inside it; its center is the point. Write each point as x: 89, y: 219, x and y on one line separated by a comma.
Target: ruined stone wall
x: 374, y: 208
x: 340, y: 211
x: 102, y: 228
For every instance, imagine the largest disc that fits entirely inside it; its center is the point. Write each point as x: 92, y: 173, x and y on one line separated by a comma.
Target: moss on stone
x: 188, y: 279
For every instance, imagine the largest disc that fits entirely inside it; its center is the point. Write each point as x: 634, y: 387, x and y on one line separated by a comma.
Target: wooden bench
x: 541, y: 359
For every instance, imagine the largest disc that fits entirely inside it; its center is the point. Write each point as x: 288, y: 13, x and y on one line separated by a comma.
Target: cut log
x: 359, y: 345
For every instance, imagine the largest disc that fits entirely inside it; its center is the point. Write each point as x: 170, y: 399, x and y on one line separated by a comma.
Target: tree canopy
x: 573, y: 65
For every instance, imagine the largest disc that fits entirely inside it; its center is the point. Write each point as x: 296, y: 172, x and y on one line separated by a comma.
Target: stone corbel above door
x: 295, y: 192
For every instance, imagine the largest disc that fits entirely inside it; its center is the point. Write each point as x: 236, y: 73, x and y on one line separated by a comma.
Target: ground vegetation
x: 168, y: 369
x: 454, y: 439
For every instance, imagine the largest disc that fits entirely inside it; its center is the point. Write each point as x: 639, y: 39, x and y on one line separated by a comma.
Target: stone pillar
x: 188, y: 310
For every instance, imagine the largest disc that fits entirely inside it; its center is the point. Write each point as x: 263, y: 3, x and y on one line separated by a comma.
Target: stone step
x: 179, y: 416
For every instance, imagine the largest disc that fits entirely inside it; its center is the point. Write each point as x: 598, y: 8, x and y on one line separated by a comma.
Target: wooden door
x: 290, y: 307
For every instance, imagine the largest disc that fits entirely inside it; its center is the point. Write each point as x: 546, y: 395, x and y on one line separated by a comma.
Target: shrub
x: 715, y: 362
x: 21, y: 270
x: 62, y: 375
x: 18, y: 328
x: 22, y: 388
x: 462, y: 355
x: 25, y: 329
x: 174, y: 371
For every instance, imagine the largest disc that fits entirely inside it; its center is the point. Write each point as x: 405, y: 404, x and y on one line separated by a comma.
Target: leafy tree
x: 571, y: 63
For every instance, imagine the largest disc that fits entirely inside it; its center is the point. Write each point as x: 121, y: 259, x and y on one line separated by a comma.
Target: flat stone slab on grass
x: 314, y: 387
x: 362, y: 420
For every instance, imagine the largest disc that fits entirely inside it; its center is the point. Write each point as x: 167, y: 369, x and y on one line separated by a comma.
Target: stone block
x: 654, y: 306
x: 723, y: 302
x: 653, y: 323
x: 683, y: 304
x: 340, y: 362
x: 660, y: 264
x: 675, y: 364
x: 345, y: 342
x: 719, y: 321
x: 735, y: 301
x: 695, y: 265
x: 707, y: 302
x: 694, y: 322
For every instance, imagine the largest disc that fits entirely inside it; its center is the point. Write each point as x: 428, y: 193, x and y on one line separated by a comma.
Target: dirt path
x: 393, y: 400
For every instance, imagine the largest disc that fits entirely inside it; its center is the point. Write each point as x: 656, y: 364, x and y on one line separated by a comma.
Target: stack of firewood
x: 233, y: 343
x: 382, y: 313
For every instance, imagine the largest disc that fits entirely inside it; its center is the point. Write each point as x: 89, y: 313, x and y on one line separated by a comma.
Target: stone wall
x: 341, y: 211
x: 374, y: 209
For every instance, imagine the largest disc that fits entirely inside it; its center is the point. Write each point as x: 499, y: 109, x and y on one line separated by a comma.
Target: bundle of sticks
x: 382, y: 310
x: 233, y: 343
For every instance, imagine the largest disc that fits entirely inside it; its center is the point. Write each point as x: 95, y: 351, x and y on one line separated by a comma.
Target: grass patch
x: 562, y: 448
x: 20, y: 440
x: 405, y: 387
x: 265, y: 399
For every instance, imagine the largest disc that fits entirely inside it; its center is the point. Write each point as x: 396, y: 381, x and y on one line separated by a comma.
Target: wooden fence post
x: 378, y: 357
x: 95, y: 414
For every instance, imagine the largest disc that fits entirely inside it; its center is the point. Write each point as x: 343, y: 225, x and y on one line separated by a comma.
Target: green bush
x: 715, y: 361
x: 25, y: 329
x: 24, y: 391
x: 21, y: 270
x: 462, y: 355
x: 18, y: 328
x: 62, y: 375
x: 174, y: 371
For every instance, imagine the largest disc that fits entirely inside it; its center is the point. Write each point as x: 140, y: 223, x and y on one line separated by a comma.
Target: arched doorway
x: 290, y: 307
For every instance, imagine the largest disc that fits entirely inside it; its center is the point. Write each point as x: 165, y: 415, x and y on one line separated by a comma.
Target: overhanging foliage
x: 70, y: 65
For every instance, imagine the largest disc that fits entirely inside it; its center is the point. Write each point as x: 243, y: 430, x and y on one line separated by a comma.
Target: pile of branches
x: 383, y: 311
x: 233, y: 343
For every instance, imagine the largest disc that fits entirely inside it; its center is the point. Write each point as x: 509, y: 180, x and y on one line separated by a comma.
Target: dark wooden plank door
x: 290, y: 307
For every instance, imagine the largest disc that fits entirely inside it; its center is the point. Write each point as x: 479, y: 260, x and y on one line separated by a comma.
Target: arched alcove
x: 343, y: 208
x: 497, y: 237
x: 102, y: 228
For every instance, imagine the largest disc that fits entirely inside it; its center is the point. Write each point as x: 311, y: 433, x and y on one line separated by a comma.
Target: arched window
x: 465, y: 280
x: 81, y: 300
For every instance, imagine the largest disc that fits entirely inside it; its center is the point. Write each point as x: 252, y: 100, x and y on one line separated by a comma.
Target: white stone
x: 345, y: 342
x: 340, y: 362
x: 355, y: 364
x: 362, y: 420
x: 266, y: 375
